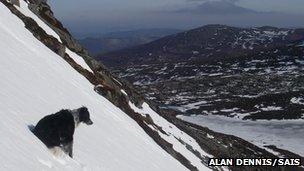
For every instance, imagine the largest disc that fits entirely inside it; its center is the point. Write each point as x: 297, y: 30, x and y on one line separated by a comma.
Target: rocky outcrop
x: 14, y: 2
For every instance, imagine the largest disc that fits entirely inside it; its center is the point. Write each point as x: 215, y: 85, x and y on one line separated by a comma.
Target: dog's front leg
x: 67, y: 143
x: 68, y: 148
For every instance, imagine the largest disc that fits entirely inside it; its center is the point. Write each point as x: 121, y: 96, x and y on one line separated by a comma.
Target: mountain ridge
x: 120, y: 40
x: 219, y: 8
x: 207, y: 42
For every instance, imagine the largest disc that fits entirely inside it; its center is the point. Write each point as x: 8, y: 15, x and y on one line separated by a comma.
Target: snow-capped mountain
x: 43, y: 70
x: 210, y: 42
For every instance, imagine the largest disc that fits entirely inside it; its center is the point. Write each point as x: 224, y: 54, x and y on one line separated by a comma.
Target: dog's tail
x: 31, y: 128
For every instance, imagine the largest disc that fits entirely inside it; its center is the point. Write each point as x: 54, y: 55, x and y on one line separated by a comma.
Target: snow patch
x: 210, y: 136
x: 301, y: 44
x: 78, y: 59
x: 297, y: 100
x: 271, y: 108
x: 124, y: 92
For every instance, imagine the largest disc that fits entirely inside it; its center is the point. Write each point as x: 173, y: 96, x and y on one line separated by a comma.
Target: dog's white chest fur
x: 75, y: 114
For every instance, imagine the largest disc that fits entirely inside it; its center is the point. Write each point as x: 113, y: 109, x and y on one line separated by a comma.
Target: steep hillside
x: 207, y: 43
x: 35, y: 82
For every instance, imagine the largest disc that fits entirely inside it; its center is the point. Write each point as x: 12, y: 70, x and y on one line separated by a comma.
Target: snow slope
x: 36, y: 82
x: 174, y: 136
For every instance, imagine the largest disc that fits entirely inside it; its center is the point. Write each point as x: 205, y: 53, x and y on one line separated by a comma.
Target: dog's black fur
x: 57, y: 130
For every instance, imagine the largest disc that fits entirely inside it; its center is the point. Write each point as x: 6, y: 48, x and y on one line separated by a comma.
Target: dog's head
x: 84, y: 116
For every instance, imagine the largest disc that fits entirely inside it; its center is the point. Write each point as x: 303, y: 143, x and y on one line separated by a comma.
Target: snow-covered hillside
x: 36, y: 82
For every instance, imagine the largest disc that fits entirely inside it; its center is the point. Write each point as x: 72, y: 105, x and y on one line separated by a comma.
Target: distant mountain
x: 205, y: 43
x: 119, y: 40
x: 219, y: 8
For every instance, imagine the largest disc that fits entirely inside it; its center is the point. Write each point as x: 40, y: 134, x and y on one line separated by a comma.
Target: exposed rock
x: 14, y: 2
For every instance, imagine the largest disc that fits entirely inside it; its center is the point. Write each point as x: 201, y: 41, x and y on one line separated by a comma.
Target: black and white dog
x: 57, y: 130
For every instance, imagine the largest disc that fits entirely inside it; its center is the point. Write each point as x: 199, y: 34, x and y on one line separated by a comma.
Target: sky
x: 102, y: 16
